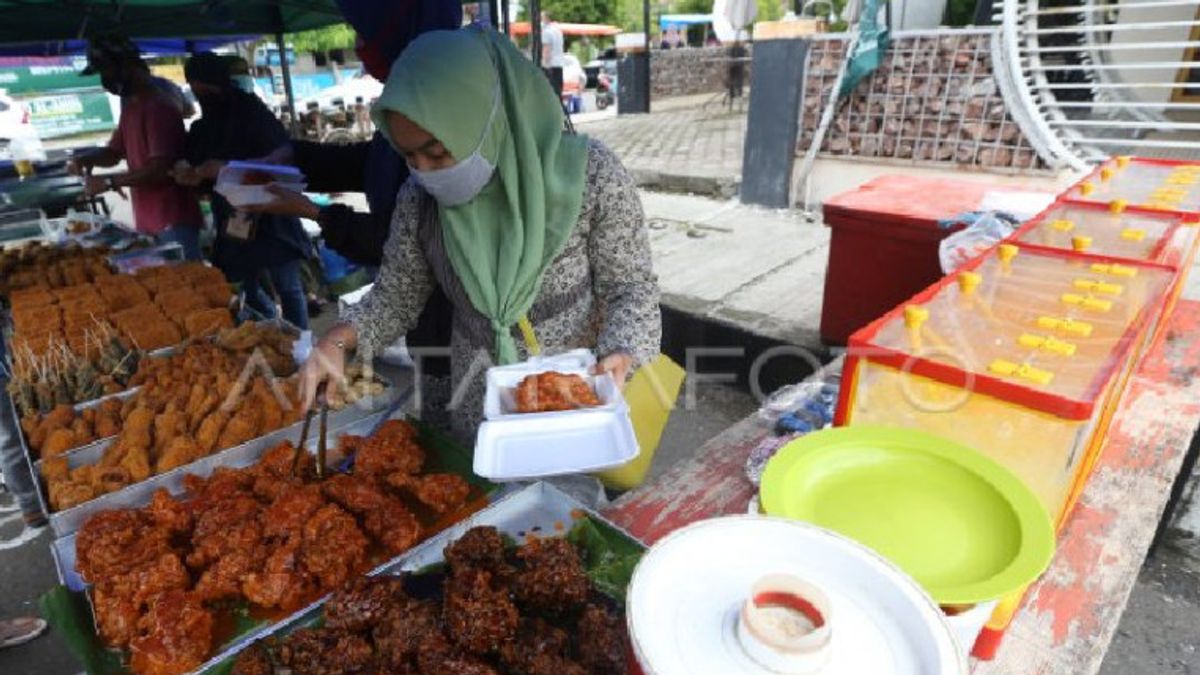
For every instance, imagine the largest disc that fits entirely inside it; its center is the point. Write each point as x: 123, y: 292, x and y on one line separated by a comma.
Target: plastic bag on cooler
x: 984, y: 229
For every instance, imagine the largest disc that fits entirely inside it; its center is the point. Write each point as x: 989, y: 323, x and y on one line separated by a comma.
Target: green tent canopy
x: 42, y: 20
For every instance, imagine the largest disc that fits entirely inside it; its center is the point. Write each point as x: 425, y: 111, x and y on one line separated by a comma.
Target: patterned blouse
x: 600, y: 292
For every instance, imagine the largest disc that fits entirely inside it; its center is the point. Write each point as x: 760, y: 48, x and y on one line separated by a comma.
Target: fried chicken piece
x: 226, y: 577
x: 334, y: 549
x: 81, y: 427
x: 166, y: 512
x: 58, y: 442
x: 107, y: 424
x: 178, y: 636
x: 56, y: 470
x: 479, y: 617
x: 552, y: 578
x: 604, y: 643
x: 69, y: 494
x: 242, y: 427
x: 254, y: 660
x: 271, y: 413
x: 402, y: 629
x: 169, y: 425
x: 209, y: 433
x: 137, y: 430
x: 277, y: 462
x: 113, y: 542
x: 290, y: 510
x: 116, y: 617
x: 104, y: 479
x: 325, y: 651
x: 137, y: 462
x: 282, y: 583
x: 442, y: 492
x: 363, y: 603
x: 143, y: 584
x: 554, y: 392
x: 436, y: 656
x: 179, y: 451
x: 391, y: 449
x: 230, y: 525
x: 59, y: 417
x: 223, y: 483
x: 386, y: 518
x: 479, y: 547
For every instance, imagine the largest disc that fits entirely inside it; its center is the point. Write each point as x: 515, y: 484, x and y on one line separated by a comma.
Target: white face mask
x: 460, y: 183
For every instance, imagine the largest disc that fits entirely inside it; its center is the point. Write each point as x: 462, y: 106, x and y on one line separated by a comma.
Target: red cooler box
x: 884, y: 245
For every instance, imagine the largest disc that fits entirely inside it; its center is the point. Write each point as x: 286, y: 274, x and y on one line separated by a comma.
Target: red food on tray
x: 554, y: 392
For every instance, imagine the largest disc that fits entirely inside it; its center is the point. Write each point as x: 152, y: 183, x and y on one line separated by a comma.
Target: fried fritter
x: 334, y: 548
x: 116, y: 617
x: 113, y: 542
x: 178, y: 636
x: 399, y: 633
x: 226, y: 577
x: 536, y: 641
x: 242, y: 427
x: 254, y: 660
x: 391, y: 449
x: 436, y: 656
x: 442, y: 492
x: 479, y: 617
x: 363, y: 602
x: 604, y: 650
x: 58, y: 442
x: 179, y: 451
x: 552, y: 578
x: 209, y: 433
x: 286, y: 515
x: 283, y: 582
x: 232, y: 525
x: 384, y: 516
x: 168, y: 514
x: 481, y: 547
x: 325, y: 651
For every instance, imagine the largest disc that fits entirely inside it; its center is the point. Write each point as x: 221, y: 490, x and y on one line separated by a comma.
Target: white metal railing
x: 1096, y: 78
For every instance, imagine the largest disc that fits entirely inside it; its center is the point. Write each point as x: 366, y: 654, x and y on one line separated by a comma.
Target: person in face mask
x: 234, y: 125
x: 514, y: 217
x: 150, y: 139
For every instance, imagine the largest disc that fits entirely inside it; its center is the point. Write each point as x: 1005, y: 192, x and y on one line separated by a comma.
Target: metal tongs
x: 321, y: 435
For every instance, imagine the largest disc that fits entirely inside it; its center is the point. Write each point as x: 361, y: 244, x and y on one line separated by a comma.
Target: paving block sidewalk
x: 689, y: 144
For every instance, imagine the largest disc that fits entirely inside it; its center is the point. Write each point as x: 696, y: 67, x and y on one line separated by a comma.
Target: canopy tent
x: 48, y: 20
x: 667, y: 20
x: 164, y: 47
x: 590, y: 29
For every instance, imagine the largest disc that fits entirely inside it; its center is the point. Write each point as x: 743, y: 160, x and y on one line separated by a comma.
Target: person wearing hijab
x: 520, y: 222
x: 235, y: 125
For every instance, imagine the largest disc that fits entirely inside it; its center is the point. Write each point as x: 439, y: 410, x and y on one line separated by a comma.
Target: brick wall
x: 694, y: 70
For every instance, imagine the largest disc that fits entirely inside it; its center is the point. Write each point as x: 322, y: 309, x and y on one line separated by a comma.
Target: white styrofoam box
x: 581, y: 441
x: 499, y: 401
x: 518, y: 446
x: 967, y: 626
x: 229, y: 182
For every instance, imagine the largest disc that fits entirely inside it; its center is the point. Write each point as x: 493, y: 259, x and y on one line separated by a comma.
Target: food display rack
x: 539, y: 510
x: 1162, y: 185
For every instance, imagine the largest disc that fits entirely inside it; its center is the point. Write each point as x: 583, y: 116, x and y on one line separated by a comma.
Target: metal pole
x: 287, y: 82
x: 504, y: 10
x: 493, y: 14
x: 535, y: 32
x: 646, y: 27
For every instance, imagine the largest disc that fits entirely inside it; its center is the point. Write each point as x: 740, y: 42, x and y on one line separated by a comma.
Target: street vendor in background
x: 514, y: 217
x: 150, y: 139
x: 235, y: 125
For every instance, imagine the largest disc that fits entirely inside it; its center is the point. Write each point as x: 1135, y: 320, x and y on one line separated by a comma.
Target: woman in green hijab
x: 521, y: 223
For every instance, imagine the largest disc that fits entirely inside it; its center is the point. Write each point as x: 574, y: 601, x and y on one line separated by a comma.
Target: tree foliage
x: 337, y: 36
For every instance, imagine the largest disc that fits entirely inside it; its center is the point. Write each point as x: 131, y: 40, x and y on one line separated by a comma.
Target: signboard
x: 67, y: 114
x: 27, y: 75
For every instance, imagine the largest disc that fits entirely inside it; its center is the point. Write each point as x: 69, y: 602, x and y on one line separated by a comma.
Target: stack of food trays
x: 234, y: 551
x: 1162, y: 185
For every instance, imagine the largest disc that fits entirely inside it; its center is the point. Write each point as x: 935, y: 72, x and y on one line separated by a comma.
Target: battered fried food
x: 169, y: 514
x: 552, y: 578
x: 232, y: 525
x: 363, y: 602
x: 286, y: 515
x: 481, y: 547
x: 539, y: 648
x: 437, y: 656
x: 442, y: 492
x: 114, y: 542
x: 242, y: 427
x: 384, y: 516
x: 403, y: 628
x: 180, y: 451
x: 254, y: 660
x: 58, y: 442
x: 553, y: 392
x: 324, y: 651
x: 116, y: 617
x: 392, y: 449
x: 604, y: 650
x: 178, y: 636
x: 334, y: 548
x: 282, y: 583
x: 203, y: 322
x: 480, y: 617
x: 209, y: 433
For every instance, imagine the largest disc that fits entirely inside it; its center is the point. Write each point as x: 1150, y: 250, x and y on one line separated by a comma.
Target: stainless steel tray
x: 63, y: 548
x: 540, y: 509
x: 67, y: 521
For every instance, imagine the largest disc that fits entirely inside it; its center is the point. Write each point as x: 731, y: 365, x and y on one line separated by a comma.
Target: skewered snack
x: 553, y: 392
x: 481, y: 625
x: 258, y: 535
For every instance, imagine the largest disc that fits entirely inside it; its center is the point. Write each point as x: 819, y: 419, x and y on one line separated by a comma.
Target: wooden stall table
x: 1070, y: 615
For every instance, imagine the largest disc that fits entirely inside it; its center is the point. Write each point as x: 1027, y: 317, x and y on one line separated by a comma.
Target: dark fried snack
x: 363, y: 602
x: 326, y: 651
x: 254, y: 660
x: 480, y: 547
x: 537, y: 644
x: 552, y: 578
x: 437, y: 656
x: 554, y: 392
x: 479, y: 617
x: 604, y: 650
x: 398, y: 636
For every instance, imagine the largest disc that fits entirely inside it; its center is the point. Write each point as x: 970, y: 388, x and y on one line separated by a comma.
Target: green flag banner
x: 869, y: 49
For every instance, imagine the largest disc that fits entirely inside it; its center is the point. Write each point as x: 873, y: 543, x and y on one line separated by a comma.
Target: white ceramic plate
x: 685, y: 595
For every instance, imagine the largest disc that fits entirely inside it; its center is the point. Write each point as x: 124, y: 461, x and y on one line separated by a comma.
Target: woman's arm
x: 622, y: 269
x: 331, y: 168
x: 404, y: 284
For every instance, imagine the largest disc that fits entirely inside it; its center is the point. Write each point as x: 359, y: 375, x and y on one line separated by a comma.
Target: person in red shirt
x: 150, y: 138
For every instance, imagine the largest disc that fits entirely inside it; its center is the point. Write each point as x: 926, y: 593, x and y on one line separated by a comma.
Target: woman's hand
x: 185, y: 174
x: 326, y: 363
x: 617, y: 364
x: 286, y: 203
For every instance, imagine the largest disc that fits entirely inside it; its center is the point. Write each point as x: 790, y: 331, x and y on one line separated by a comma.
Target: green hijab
x: 501, y: 242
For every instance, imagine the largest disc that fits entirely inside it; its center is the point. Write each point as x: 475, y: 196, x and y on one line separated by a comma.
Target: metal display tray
x: 69, y: 520
x: 63, y: 548
x: 540, y: 509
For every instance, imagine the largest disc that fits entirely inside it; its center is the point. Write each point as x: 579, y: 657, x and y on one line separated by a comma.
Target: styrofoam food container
x: 523, y: 446
x: 969, y: 624
x: 229, y: 182
x: 687, y: 591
